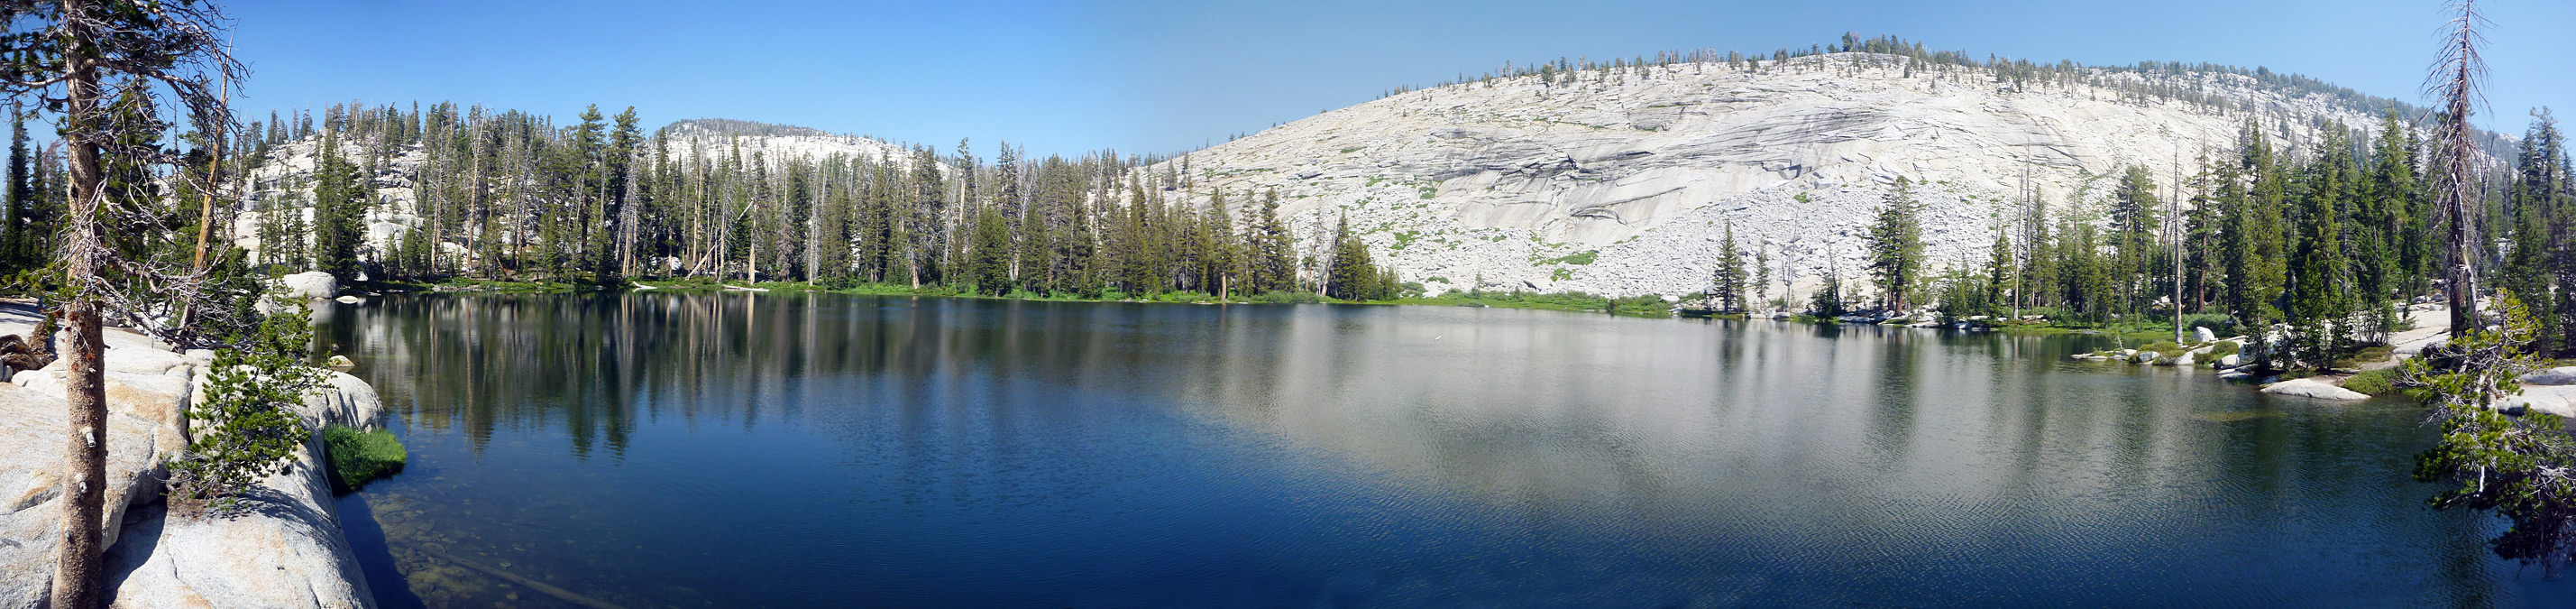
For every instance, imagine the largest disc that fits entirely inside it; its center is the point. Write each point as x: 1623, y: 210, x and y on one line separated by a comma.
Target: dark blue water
x: 693, y: 450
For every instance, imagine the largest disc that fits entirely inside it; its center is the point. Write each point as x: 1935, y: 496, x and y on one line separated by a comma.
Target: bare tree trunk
x: 2457, y: 76
x: 76, y: 564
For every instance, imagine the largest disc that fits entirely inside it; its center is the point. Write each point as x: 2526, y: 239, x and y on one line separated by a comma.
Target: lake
x: 783, y: 450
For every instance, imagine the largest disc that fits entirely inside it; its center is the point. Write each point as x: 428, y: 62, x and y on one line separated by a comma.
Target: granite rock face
x: 284, y: 549
x: 311, y: 284
x: 2316, y: 389
x: 1622, y: 182
x: 147, y: 399
x: 1645, y: 167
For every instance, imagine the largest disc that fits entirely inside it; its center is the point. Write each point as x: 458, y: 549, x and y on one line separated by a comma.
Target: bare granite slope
x: 1506, y: 180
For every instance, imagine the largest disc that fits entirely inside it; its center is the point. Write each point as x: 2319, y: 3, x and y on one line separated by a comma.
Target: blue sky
x: 1064, y: 77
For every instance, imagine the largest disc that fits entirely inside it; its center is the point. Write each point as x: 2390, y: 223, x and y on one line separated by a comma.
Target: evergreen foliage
x: 1726, y: 283
x: 1896, y: 245
x: 242, y: 425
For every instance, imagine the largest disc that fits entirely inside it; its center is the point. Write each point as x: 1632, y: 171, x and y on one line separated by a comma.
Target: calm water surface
x: 693, y: 450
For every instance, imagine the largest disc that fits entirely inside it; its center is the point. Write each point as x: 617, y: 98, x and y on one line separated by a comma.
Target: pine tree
x: 1274, y: 257
x: 27, y: 240
x: 2319, y: 289
x: 2539, y: 208
x: 340, y: 199
x: 2133, y: 227
x: 1762, y: 273
x: 1726, y: 285
x: 988, y: 257
x: 1896, y: 245
x: 1999, y: 269
x: 2251, y: 233
x: 2406, y: 210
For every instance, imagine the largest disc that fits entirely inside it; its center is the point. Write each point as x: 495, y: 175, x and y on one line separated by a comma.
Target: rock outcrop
x: 1642, y: 168
x: 1619, y: 182
x: 34, y: 428
x: 147, y: 398
x: 283, y: 550
x: 311, y: 285
x: 2565, y: 375
x: 2551, y: 399
x: 2316, y: 389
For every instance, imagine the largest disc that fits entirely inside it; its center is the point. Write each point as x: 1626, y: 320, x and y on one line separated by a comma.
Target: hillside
x: 1611, y: 180
x: 1520, y: 181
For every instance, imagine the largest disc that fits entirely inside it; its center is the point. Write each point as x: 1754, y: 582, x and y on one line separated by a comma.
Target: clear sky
x: 1064, y: 77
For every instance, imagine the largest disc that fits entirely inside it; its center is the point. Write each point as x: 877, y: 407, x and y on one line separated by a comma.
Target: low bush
x: 361, y: 456
x: 2374, y: 382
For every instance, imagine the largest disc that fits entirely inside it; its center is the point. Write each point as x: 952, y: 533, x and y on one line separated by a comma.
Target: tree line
x: 2321, y: 247
x: 506, y: 195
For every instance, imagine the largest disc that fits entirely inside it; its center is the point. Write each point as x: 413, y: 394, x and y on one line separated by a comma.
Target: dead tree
x: 2456, y: 77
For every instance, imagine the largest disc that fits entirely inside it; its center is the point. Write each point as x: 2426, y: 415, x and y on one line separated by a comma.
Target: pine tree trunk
x: 76, y: 564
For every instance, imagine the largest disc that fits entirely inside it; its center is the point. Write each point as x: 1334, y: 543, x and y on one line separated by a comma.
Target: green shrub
x: 2164, y: 348
x: 361, y: 456
x: 2373, y: 382
x: 2225, y: 348
x: 244, y: 430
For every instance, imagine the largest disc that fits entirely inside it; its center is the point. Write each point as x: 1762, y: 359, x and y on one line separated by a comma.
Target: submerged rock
x: 2312, y: 388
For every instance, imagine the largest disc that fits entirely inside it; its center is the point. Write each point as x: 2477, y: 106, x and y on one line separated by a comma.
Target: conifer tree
x: 340, y: 199
x: 1896, y: 245
x: 2134, y: 207
x: 1999, y: 269
x: 1726, y: 285
x: 1274, y: 258
x: 2319, y: 287
x: 2251, y: 234
x: 1762, y: 273
x: 1352, y: 276
x: 989, y: 256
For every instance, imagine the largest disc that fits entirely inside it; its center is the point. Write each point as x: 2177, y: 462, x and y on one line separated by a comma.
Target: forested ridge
x: 2265, y: 232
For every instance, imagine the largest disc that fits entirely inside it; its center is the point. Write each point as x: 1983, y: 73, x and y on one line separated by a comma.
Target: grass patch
x: 1578, y: 258
x: 2374, y: 382
x: 361, y: 456
x: 1648, y: 305
x: 2366, y: 355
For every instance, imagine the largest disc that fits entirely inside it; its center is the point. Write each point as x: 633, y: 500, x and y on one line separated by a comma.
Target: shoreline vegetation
x: 1652, y: 306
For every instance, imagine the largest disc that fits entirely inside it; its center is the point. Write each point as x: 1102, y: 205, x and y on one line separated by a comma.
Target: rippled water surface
x: 692, y: 450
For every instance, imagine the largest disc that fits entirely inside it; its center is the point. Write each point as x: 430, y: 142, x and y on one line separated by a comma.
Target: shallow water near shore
x: 690, y: 450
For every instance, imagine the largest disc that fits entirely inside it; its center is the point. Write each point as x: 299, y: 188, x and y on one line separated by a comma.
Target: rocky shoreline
x: 284, y: 548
